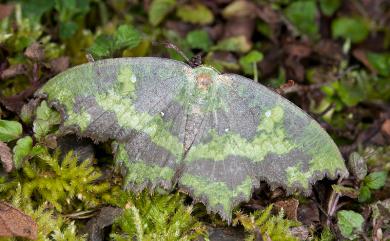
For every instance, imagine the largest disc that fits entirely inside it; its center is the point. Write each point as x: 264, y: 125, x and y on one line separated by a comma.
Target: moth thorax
x: 203, y: 81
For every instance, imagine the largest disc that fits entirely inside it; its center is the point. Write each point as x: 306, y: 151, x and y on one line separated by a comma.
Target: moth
x: 214, y: 136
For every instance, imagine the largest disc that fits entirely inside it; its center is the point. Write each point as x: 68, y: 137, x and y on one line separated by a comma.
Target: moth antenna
x: 195, y: 61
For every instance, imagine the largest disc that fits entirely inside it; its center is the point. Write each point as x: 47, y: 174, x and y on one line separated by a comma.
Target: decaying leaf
x: 5, y: 157
x: 14, y: 223
x: 213, y: 135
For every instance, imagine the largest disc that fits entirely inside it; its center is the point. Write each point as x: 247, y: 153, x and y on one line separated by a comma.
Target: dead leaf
x: 294, y: 69
x: 35, y: 52
x: 105, y: 218
x: 301, y: 232
x: 13, y: 70
x: 308, y: 213
x: 60, y: 64
x: 386, y: 127
x: 6, y: 157
x: 289, y: 84
x: 14, y: 223
x: 297, y: 50
x: 360, y: 55
x: 5, y: 10
x: 290, y: 207
x: 328, y: 51
x: 240, y: 27
x: 345, y: 191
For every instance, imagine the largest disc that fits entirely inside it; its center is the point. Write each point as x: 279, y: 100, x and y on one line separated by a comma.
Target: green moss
x: 46, y: 178
x: 262, y: 223
x: 157, y: 217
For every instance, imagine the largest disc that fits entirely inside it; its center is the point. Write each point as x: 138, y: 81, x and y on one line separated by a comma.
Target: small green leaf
x: 37, y: 150
x: 349, y: 223
x: 380, y: 61
x: 45, y: 120
x: 68, y: 29
x: 234, y: 44
x: 126, y: 37
x: 199, y: 39
x: 345, y: 191
x: 364, y: 194
x: 10, y: 130
x: 196, y: 14
x: 376, y: 180
x: 102, y: 46
x: 159, y: 9
x: 328, y: 7
x: 249, y: 59
x: 34, y: 9
x: 302, y: 15
x: 21, y: 150
x: 353, y: 28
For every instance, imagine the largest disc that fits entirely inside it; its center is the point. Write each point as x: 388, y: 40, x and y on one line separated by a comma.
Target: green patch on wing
x: 118, y: 100
x: 217, y: 194
x: 326, y: 157
x: 140, y: 171
x: 271, y: 138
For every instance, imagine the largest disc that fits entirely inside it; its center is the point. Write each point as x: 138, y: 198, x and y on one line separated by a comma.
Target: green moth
x: 214, y: 136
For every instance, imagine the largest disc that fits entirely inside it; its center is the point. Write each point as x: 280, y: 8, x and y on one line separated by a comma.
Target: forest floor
x: 329, y: 57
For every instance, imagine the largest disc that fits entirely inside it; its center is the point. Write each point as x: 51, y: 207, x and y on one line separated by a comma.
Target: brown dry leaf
x: 13, y: 70
x: 6, y: 157
x: 290, y: 207
x: 386, y: 127
x: 60, y: 64
x: 35, y: 52
x: 294, y: 69
x: 14, y: 223
x: 5, y: 10
x: 329, y: 51
x: 288, y: 85
x: 301, y: 232
x: 308, y: 213
x: 297, y: 50
x: 105, y: 218
x: 240, y: 27
x: 360, y: 55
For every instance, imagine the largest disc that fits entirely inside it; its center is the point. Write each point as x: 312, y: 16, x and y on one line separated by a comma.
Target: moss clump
x: 65, y: 184
x: 157, y: 217
x: 268, y: 226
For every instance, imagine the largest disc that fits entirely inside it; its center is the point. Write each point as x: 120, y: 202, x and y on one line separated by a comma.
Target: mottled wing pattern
x: 131, y: 102
x: 216, y: 136
x: 255, y: 135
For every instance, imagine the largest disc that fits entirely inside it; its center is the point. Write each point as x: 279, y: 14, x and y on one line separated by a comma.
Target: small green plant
x: 350, y: 223
x: 270, y: 227
x: 157, y: 217
x: 372, y: 181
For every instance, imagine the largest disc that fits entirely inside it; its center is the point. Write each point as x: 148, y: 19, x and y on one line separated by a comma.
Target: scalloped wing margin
x: 241, y: 132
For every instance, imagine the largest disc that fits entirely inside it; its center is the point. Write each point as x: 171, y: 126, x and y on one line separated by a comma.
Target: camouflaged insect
x: 215, y: 136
